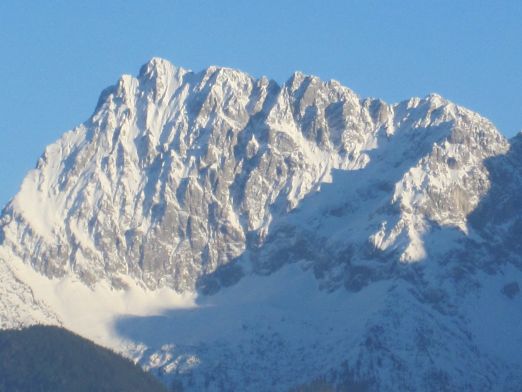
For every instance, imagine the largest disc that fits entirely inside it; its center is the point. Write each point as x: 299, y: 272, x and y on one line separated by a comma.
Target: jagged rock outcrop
x: 177, y: 174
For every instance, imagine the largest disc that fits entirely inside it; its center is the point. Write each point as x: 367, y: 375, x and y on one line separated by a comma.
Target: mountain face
x: 315, y: 232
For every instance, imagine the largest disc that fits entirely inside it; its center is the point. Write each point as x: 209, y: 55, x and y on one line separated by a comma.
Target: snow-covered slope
x: 233, y: 233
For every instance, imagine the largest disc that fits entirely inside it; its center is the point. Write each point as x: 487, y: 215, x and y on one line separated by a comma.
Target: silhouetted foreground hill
x: 45, y: 358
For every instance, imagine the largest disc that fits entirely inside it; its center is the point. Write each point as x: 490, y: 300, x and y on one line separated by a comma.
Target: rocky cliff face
x: 177, y: 174
x: 198, y: 181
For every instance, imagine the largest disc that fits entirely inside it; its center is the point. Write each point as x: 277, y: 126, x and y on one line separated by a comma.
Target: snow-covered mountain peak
x: 435, y: 97
x: 177, y: 172
x: 157, y: 67
x: 517, y: 137
x: 341, y: 237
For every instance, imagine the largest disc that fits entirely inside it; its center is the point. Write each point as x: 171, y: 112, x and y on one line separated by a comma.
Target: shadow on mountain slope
x: 498, y: 217
x: 330, y: 228
x: 420, y: 305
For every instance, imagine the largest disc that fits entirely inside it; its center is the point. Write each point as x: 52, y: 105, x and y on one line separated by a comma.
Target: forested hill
x: 45, y: 358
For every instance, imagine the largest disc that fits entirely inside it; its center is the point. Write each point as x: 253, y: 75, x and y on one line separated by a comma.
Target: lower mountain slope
x: 282, y: 330
x: 52, y: 359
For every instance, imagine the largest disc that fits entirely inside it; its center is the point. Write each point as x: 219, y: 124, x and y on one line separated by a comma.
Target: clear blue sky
x: 57, y: 56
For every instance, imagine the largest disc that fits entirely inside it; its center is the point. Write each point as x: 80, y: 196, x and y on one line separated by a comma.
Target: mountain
x: 231, y: 233
x: 43, y: 358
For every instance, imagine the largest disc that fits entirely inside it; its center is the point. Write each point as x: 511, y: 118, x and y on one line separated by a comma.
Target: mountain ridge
x: 157, y: 80
x: 292, y: 204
